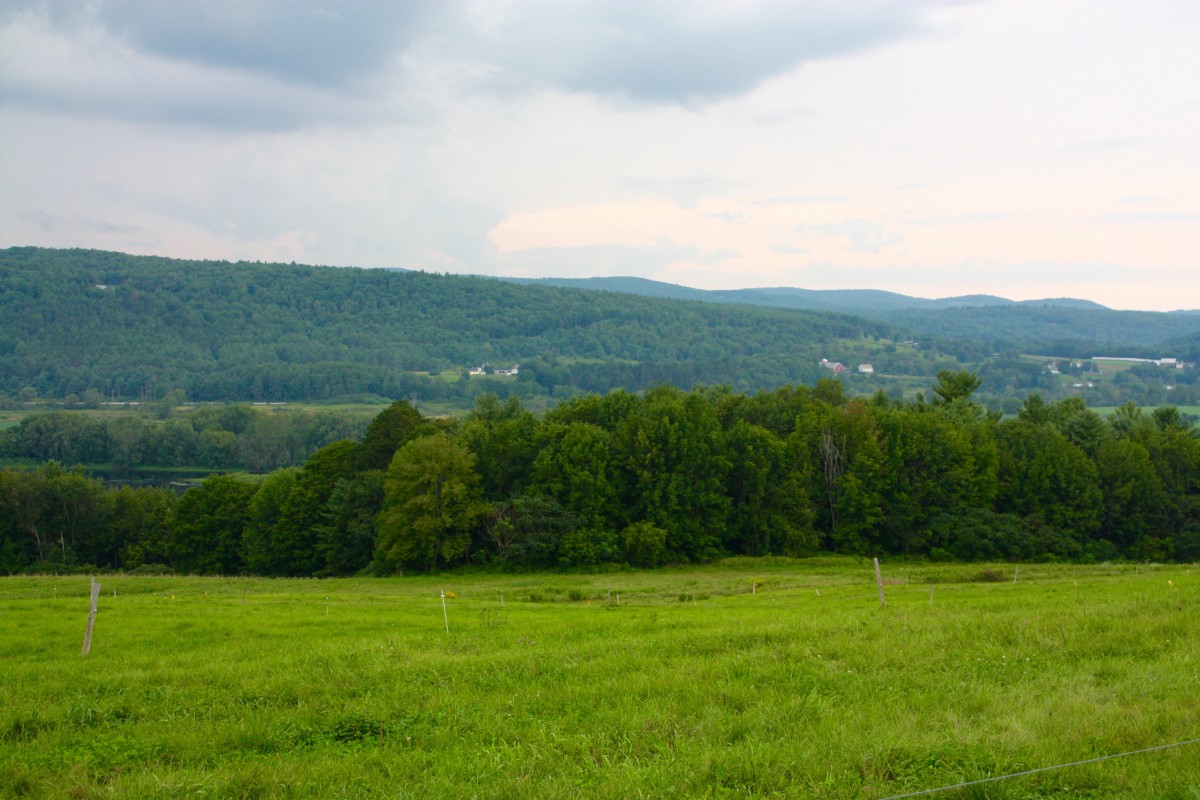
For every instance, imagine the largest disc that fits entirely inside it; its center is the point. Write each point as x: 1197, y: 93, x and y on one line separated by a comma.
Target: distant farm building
x: 487, y: 369
x: 836, y: 366
x: 866, y: 369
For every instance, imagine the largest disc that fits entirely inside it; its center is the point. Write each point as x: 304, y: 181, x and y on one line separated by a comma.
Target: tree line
x: 233, y: 437
x: 665, y: 476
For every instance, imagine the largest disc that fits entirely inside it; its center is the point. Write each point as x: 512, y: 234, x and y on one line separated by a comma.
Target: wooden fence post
x: 87, y: 636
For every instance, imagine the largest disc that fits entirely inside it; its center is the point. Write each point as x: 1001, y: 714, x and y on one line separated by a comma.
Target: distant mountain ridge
x: 1061, y: 325
x: 840, y: 300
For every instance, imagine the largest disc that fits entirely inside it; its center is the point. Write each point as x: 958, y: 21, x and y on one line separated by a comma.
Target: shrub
x: 988, y: 576
x: 645, y: 545
x: 151, y: 569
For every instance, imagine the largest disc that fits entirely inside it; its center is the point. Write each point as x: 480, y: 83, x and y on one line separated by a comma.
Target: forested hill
x: 1062, y: 326
x: 1074, y: 332
x: 73, y: 321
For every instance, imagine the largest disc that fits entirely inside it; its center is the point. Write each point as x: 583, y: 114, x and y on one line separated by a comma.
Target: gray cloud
x: 654, y: 51
x: 285, y: 64
x: 71, y: 64
x: 298, y: 41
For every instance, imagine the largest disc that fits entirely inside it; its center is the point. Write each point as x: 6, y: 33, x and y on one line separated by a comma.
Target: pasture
x: 749, y: 678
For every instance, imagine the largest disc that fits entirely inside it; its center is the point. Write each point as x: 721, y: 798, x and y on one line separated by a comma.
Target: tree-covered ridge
x: 1063, y: 326
x: 665, y: 476
x: 1063, y: 332
x: 126, y: 326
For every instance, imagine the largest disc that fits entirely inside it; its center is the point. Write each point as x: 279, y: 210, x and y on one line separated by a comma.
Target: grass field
x: 675, y: 683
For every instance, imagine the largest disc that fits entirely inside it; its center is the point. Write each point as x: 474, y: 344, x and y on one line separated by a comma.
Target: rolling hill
x: 74, y: 322
x: 131, y: 326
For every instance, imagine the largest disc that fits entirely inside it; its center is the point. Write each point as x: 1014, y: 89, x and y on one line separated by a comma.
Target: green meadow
x: 748, y: 678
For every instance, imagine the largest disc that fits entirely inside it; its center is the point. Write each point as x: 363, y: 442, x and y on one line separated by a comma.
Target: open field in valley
x: 671, y: 683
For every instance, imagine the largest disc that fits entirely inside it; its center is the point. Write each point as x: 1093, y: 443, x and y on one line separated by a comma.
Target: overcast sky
x: 1026, y: 149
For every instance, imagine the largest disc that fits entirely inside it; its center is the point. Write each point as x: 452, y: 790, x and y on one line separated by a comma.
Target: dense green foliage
x: 214, y: 437
x: 1064, y: 332
x: 672, y: 683
x: 662, y: 477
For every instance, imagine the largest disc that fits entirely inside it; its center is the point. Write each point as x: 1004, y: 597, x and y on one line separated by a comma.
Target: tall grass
x: 691, y: 687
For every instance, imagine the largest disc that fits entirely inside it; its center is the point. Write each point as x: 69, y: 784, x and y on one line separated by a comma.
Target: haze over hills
x: 852, y: 301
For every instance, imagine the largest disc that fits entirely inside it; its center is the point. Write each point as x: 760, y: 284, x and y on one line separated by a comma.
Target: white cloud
x: 865, y: 236
x: 594, y: 260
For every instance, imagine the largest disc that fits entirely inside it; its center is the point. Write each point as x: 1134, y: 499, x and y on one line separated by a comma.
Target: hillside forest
x: 665, y: 476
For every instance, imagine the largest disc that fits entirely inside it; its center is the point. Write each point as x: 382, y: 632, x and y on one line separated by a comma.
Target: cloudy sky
x: 1027, y: 148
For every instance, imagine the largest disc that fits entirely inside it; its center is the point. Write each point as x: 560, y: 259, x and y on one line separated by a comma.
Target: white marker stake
x: 87, y: 636
x: 879, y: 582
x: 444, y: 614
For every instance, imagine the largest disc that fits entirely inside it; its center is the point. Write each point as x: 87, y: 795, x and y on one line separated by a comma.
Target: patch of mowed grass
x: 803, y: 688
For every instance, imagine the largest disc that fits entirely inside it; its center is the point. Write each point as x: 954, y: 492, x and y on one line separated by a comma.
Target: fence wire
x: 1040, y: 769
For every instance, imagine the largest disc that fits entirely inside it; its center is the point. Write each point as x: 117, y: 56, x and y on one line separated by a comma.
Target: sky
x: 1023, y: 148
